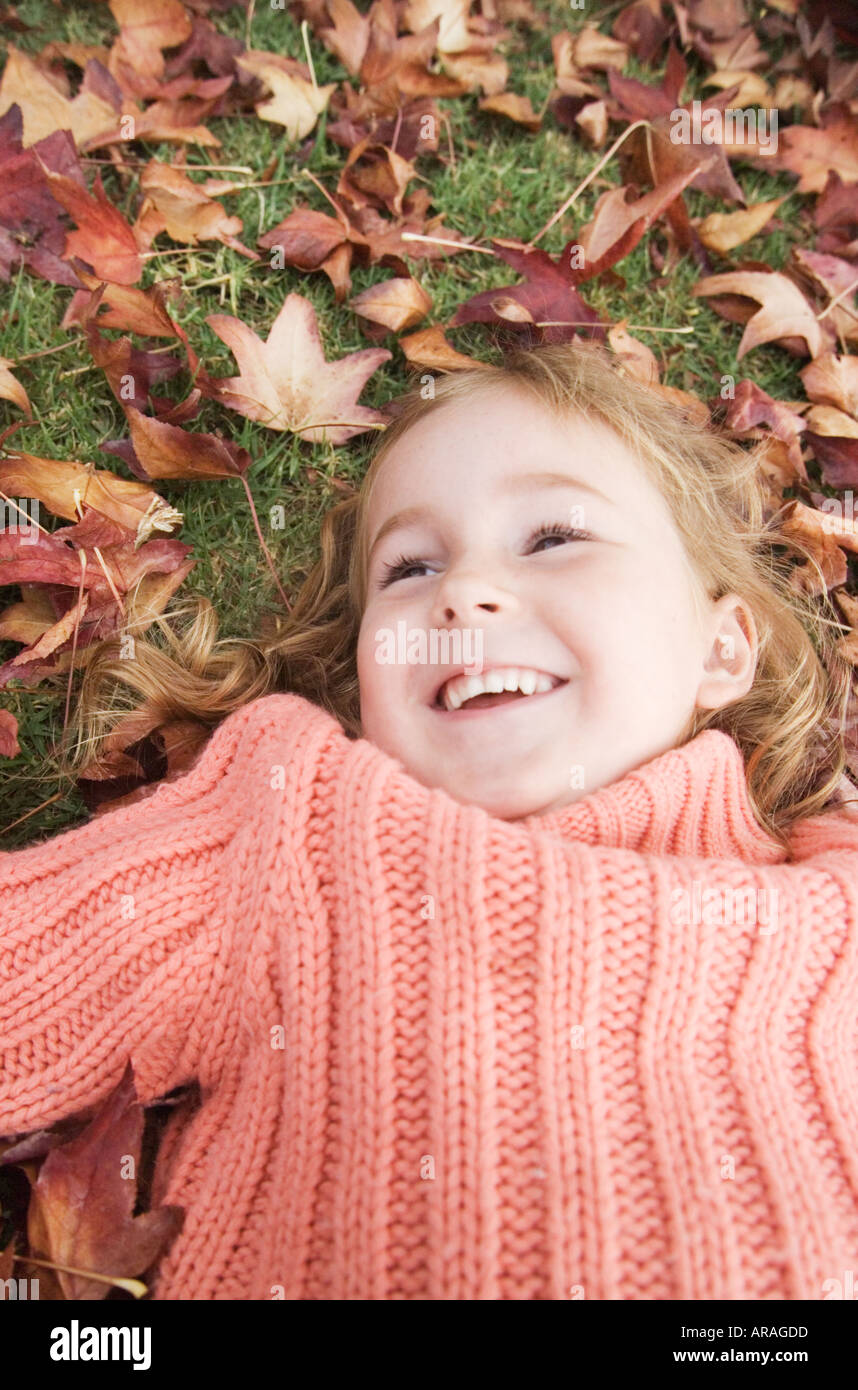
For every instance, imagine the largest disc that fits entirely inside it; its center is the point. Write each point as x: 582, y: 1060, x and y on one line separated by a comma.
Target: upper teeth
x: 461, y: 688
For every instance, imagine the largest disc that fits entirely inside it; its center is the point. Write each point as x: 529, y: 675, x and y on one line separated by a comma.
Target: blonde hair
x: 789, y: 726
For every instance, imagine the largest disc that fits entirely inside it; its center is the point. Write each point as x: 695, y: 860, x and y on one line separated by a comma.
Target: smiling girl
x: 416, y: 937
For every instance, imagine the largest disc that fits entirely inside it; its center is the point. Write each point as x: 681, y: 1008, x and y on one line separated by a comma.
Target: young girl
x: 540, y: 988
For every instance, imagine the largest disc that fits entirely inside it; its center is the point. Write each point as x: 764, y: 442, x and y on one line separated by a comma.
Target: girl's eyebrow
x: 509, y: 483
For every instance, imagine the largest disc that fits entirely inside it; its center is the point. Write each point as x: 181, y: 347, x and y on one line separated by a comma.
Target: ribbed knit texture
x: 512, y: 1066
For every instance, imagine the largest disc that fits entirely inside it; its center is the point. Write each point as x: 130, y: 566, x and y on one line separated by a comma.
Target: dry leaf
x: 285, y: 382
x: 295, y: 102
x: 430, y: 348
x: 517, y: 108
x: 785, y: 313
x: 11, y: 389
x: 396, y: 304
x: 723, y: 231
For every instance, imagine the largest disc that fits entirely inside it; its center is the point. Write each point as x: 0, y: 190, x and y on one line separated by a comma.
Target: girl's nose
x: 463, y: 594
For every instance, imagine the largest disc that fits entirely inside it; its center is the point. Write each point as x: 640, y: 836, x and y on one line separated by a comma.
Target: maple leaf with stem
x: 285, y: 381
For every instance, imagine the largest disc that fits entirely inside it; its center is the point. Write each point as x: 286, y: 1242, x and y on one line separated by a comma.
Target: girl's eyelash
x: 396, y: 568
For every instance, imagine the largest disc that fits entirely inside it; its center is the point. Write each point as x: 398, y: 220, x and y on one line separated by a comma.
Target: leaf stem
x: 134, y: 1286
x: 636, y: 125
x: 265, y: 549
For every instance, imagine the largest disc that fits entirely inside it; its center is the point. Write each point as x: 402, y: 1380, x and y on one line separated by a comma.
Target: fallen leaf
x: 430, y: 348
x: 593, y: 49
x: 285, y: 382
x: 11, y: 389
x: 165, y: 451
x: 617, y: 226
x: 81, y: 1205
x: 374, y: 174
x: 548, y: 295
x: 135, y: 507
x: 724, y: 231
x: 812, y: 153
x: 144, y: 30
x: 593, y: 120
x: 784, y: 314
x: 833, y: 437
x: 9, y: 748
x: 133, y: 310
x: 815, y: 531
x: 103, y: 239
x: 516, y: 108
x: 45, y: 110
x: 636, y: 358
x: 295, y: 102
x: 832, y: 380
x: 397, y: 304
x: 175, y: 204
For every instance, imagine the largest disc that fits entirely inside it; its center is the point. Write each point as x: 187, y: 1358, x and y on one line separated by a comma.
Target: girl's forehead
x: 494, y: 431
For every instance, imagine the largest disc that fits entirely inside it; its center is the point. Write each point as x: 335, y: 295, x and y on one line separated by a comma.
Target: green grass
x: 505, y: 182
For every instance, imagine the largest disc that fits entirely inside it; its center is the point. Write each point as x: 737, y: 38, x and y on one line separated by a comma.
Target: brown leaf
x: 349, y: 34
x: 397, y: 304
x: 306, y: 238
x: 812, y: 153
x: 133, y: 505
x: 430, y: 348
x: 751, y: 407
x: 9, y: 748
x: 617, y: 226
x: 45, y: 109
x: 593, y: 120
x: 11, y: 389
x: 130, y: 373
x: 724, y: 231
x: 133, y: 310
x: 146, y: 29
x: 175, y: 204
x: 488, y: 71
x: 285, y: 382
x: 548, y: 295
x: 637, y: 359
x: 82, y: 1202
x: 593, y: 49
x: 784, y: 314
x: 833, y: 437
x: 814, y: 529
x: 374, y: 174
x: 165, y: 451
x: 517, y: 108
x: 295, y: 102
x: 453, y: 32
x: 832, y: 380
x: 54, y: 636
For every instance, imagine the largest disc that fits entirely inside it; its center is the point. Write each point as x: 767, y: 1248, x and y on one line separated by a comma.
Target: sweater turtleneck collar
x: 691, y: 800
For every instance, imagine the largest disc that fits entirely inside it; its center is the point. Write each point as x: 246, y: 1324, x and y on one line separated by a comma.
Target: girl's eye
x: 568, y: 533
x: 398, y: 569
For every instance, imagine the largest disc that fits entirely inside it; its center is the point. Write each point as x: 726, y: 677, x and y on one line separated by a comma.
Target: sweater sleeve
x: 111, y: 937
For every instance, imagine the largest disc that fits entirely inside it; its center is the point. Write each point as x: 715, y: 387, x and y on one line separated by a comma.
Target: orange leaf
x: 104, y: 239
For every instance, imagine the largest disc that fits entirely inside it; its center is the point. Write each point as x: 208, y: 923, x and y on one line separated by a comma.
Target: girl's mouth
x: 487, y: 703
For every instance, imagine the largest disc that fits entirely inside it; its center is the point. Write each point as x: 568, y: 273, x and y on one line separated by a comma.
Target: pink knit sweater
x: 445, y: 1056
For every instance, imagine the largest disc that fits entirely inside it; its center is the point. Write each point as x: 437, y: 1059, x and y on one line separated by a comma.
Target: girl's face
x: 489, y: 486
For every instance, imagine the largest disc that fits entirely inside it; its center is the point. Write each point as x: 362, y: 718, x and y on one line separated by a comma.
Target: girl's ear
x: 731, y: 659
